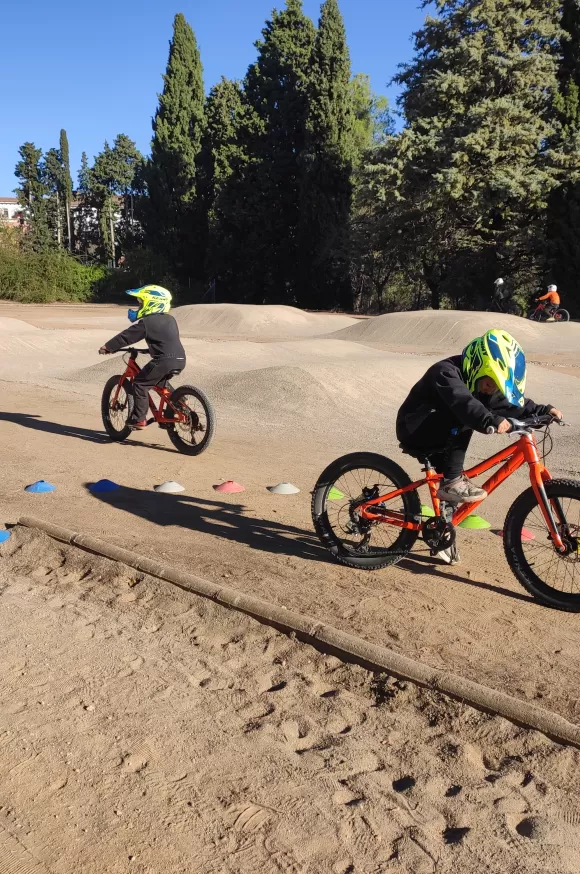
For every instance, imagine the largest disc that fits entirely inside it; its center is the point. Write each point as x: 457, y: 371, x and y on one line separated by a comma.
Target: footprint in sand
x: 547, y: 831
x: 248, y: 818
x: 137, y: 760
x: 455, y: 835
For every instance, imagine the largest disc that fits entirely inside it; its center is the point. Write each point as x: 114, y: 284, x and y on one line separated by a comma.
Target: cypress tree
x: 52, y: 171
x: 261, y: 203
x: 328, y: 159
x: 32, y: 197
x: 172, y: 218
x: 222, y: 154
x: 67, y: 187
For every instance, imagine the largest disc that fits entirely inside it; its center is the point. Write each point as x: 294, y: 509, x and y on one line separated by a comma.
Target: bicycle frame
x: 525, y: 451
x: 131, y: 371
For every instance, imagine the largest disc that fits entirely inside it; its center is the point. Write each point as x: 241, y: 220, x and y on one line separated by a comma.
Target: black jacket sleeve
x: 464, y: 406
x: 501, y: 407
x: 134, y: 334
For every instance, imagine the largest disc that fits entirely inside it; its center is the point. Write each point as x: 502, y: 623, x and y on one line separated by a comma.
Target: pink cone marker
x: 229, y: 486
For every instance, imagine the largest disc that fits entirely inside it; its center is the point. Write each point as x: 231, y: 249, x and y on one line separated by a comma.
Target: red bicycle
x: 541, y: 314
x: 185, y: 412
x: 357, y: 514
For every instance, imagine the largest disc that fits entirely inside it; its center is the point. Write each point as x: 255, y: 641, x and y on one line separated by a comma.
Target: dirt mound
x: 280, y: 389
x: 96, y: 372
x: 251, y: 320
x: 15, y: 325
x: 431, y: 331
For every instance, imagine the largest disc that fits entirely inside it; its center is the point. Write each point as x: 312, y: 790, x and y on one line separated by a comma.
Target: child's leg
x: 454, y: 461
x: 455, y: 488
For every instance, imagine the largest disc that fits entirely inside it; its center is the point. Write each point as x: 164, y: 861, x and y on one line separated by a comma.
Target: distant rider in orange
x: 554, y: 301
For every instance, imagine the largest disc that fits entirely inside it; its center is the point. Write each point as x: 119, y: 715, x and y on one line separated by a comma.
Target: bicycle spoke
x: 560, y: 572
x: 374, y: 537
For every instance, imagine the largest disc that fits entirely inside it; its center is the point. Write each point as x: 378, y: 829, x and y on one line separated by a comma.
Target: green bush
x: 41, y: 278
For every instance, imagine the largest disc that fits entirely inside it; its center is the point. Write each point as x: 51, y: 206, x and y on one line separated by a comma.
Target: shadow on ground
x: 221, y: 519
x: 37, y: 423
x: 229, y: 521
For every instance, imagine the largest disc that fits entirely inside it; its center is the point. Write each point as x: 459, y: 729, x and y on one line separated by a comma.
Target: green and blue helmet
x: 153, y: 298
x: 500, y: 357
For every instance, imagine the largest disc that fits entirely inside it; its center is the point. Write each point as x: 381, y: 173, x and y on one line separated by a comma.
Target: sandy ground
x: 286, y: 407
x: 146, y: 730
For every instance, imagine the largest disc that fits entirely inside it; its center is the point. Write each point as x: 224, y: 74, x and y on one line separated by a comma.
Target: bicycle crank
x: 438, y: 534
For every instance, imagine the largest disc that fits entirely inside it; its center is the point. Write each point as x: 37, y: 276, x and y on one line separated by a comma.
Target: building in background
x: 10, y: 211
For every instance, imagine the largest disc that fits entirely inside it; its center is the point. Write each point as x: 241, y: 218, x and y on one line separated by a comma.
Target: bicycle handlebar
x: 133, y: 349
x: 530, y: 423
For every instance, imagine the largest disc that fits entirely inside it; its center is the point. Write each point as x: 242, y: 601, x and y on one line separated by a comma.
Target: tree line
x: 294, y: 185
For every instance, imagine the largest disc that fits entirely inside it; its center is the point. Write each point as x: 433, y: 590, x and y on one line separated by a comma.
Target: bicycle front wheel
x: 340, y: 489
x: 116, y: 407
x: 553, y: 578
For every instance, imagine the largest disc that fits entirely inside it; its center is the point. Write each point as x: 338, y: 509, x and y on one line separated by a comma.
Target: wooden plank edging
x: 348, y: 647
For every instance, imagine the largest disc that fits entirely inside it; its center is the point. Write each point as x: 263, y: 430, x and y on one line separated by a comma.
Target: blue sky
x: 95, y: 69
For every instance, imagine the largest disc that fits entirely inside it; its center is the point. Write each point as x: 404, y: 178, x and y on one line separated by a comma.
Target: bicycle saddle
x: 422, y: 455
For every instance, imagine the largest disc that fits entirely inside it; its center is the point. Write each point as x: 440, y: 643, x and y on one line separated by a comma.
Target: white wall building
x: 10, y: 210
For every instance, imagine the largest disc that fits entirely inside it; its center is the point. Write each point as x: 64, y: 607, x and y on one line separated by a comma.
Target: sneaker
x: 551, y: 319
x: 460, y: 491
x: 137, y: 426
x: 449, y: 555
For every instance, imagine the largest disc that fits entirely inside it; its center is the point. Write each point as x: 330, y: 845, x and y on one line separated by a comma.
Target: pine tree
x: 373, y: 121
x: 172, y: 219
x: 261, y: 204
x: 473, y: 167
x: 104, y: 186
x: 67, y: 187
x: 32, y: 196
x: 563, y: 216
x: 84, y: 226
x: 327, y: 162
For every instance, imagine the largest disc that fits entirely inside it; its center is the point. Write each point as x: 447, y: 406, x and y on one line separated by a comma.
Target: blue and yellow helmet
x: 500, y: 357
x: 154, y: 299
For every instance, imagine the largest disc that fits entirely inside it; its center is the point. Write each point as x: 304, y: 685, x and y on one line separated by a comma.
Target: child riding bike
x: 553, y: 299
x: 479, y: 390
x: 152, y: 323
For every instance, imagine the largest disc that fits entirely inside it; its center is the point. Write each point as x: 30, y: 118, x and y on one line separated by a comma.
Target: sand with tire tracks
x: 172, y: 730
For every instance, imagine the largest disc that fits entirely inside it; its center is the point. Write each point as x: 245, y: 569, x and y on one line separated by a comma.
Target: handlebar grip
x: 490, y: 430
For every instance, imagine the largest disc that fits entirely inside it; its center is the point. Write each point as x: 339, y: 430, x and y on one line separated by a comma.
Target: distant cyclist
x: 503, y: 300
x: 499, y: 291
x: 553, y: 299
x: 152, y: 323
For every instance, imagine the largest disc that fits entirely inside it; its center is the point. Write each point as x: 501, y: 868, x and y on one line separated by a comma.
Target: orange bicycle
x: 357, y: 514
x: 185, y: 412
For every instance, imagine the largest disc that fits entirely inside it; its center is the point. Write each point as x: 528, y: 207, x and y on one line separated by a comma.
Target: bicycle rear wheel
x: 551, y: 577
x: 562, y: 316
x: 115, y: 412
x: 194, y: 435
x: 340, y: 489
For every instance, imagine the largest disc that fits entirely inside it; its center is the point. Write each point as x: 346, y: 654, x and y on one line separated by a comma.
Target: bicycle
x: 349, y: 509
x: 508, y: 307
x: 185, y: 412
x: 540, y: 314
